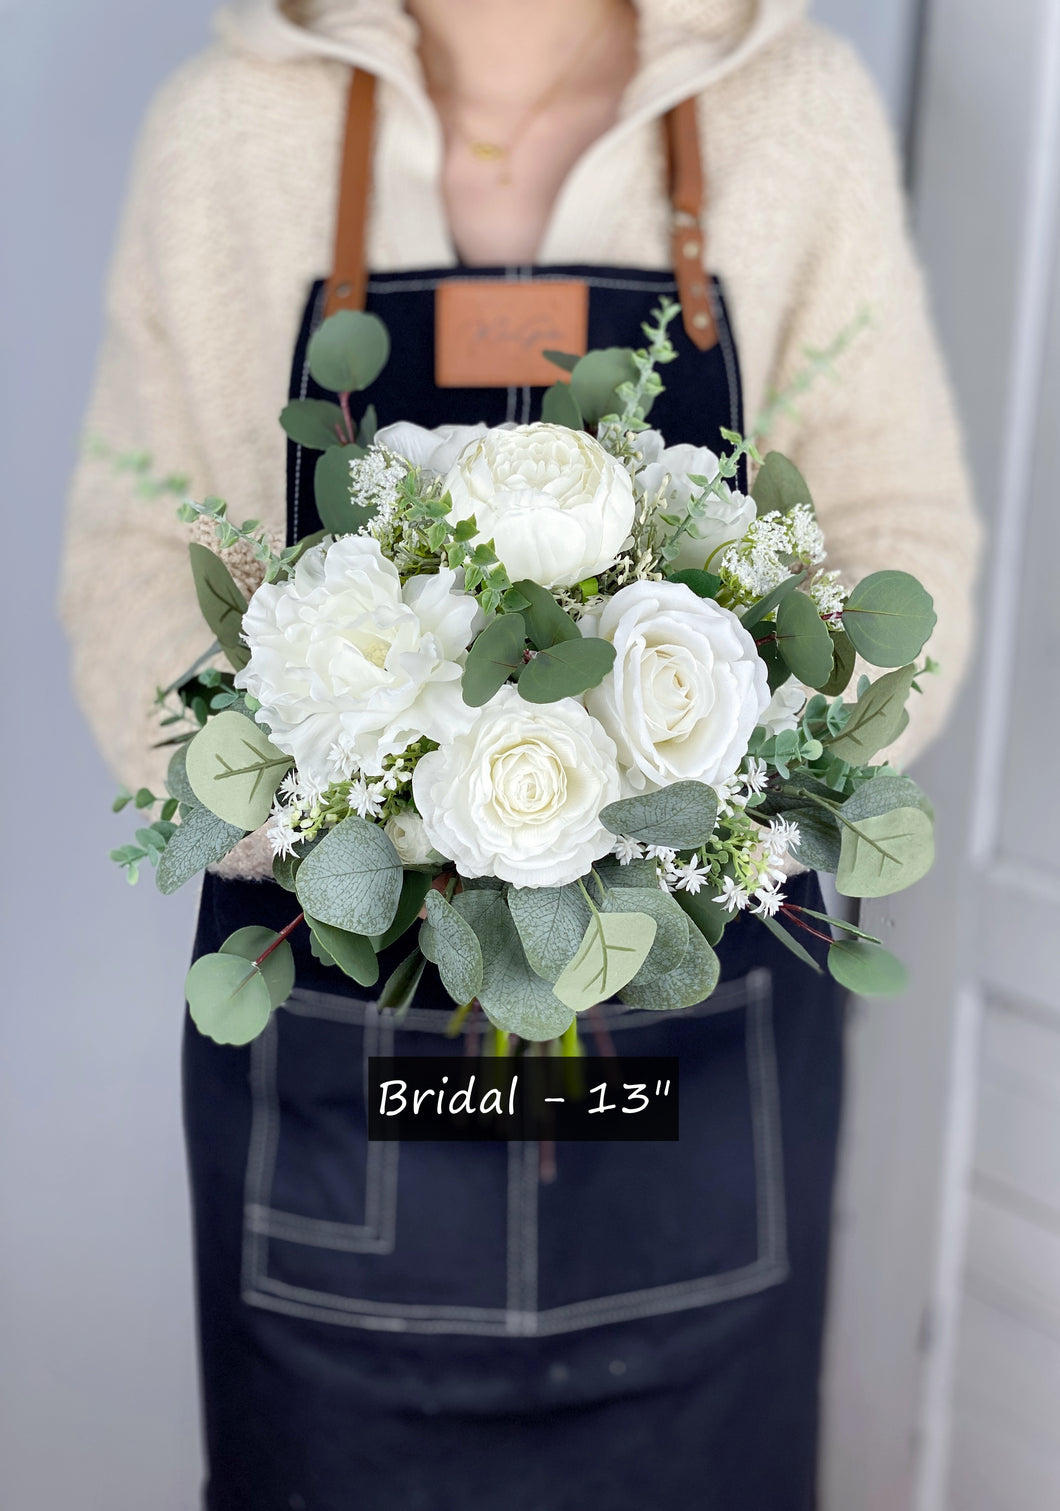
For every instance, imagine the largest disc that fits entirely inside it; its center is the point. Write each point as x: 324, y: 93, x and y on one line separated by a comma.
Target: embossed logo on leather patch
x: 490, y: 334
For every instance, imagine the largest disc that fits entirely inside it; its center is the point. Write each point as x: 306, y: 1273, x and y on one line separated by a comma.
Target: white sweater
x: 229, y: 218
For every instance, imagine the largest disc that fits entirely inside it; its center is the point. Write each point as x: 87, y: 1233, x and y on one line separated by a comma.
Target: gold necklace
x: 492, y: 152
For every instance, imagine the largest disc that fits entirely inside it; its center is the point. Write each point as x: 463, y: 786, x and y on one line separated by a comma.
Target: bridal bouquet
x: 553, y: 702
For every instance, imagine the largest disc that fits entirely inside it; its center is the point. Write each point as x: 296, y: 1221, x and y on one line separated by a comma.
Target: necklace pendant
x: 487, y: 152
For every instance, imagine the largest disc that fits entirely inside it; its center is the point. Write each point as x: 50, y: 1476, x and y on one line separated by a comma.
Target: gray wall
x: 97, y: 1388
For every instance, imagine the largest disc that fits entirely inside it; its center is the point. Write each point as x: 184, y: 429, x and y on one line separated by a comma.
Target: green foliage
x: 867, y: 969
x: 882, y: 794
x: 234, y: 769
x: 566, y: 670
x: 779, y: 485
x: 790, y: 942
x: 414, y: 887
x: 876, y: 719
x: 803, y: 639
x: 197, y: 842
x: 348, y: 351
x: 277, y: 969
x: 703, y: 584
x: 402, y: 984
x: 369, y: 425
x: 513, y: 997
x: 681, y: 816
x: 352, y: 953
x: 352, y: 879
x: 690, y: 980
x: 228, y: 998
x: 889, y: 617
x: 316, y: 423
x: 566, y: 360
x: 843, y: 656
x: 449, y: 941
x: 636, y: 873
x: 671, y: 928
x: 284, y: 869
x: 614, y: 948
x: 221, y: 602
x: 753, y: 616
x: 560, y: 407
x: 331, y: 489
x: 495, y: 655
x: 885, y: 854
x: 595, y: 378
x: 546, y: 623
x: 709, y: 918
x: 551, y: 922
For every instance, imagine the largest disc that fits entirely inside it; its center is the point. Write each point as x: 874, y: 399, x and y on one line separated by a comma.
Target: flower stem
x: 280, y: 937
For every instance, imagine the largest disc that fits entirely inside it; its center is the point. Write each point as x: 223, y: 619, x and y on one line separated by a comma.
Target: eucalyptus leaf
x: 635, y: 873
x: 228, y: 999
x: 495, y: 655
x: 513, y: 997
x: 703, y: 584
x: 402, y: 984
x: 348, y: 351
x: 595, y: 377
x: 875, y: 719
x: 277, y: 968
x: 779, y: 485
x: 882, y: 794
x: 885, y: 854
x: 889, y: 617
x: 284, y: 868
x: 200, y: 840
x: 546, y: 623
x: 560, y: 407
x: 221, y: 602
x: 369, y: 425
x: 352, y: 953
x: 867, y: 969
x: 843, y: 658
x: 316, y: 423
x: 671, y: 928
x: 681, y: 816
x: 414, y: 887
x: 566, y: 670
x: 567, y: 360
x: 234, y: 769
x: 803, y: 639
x: 454, y: 949
x: 551, y: 922
x: 754, y: 615
x: 614, y: 948
x: 331, y: 489
x: 709, y: 917
x: 177, y: 784
x: 691, y: 980
x: 352, y: 879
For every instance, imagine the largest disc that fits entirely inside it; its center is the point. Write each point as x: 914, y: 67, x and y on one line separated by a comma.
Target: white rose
x: 726, y: 519
x: 557, y: 506
x: 519, y: 795
x: 409, y: 838
x: 686, y: 690
x: 436, y: 450
x: 349, y: 666
x: 783, y: 709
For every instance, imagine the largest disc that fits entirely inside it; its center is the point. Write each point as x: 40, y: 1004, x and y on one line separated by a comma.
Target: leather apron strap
x: 347, y: 284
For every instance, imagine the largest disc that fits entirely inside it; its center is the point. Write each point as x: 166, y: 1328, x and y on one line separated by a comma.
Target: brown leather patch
x: 490, y: 334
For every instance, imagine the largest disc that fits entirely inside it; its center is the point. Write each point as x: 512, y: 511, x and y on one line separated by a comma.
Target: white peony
x: 784, y: 707
x: 673, y: 467
x: 556, y: 505
x: 686, y: 690
x: 436, y: 450
x: 409, y: 838
x: 519, y: 795
x: 350, y: 667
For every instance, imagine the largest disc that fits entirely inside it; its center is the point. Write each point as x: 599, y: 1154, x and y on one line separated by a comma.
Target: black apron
x: 426, y: 1326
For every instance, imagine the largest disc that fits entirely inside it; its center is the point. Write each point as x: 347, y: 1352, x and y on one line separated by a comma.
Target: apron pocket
x: 461, y: 1237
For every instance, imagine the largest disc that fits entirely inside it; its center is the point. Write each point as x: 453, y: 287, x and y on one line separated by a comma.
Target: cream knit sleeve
x: 126, y: 594
x: 878, y: 440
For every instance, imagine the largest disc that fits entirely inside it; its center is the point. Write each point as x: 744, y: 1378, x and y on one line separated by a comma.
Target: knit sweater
x: 230, y: 215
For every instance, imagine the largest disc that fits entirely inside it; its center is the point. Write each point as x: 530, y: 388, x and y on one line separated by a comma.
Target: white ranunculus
x: 409, y: 838
x: 784, y: 707
x: 686, y: 690
x: 349, y: 666
x: 726, y: 519
x: 436, y: 450
x: 556, y: 505
x: 519, y: 795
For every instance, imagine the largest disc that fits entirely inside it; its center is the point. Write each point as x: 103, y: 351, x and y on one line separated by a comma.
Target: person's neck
x: 505, y: 54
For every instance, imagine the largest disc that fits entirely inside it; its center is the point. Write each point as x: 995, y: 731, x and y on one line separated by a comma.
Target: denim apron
x: 427, y: 1326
